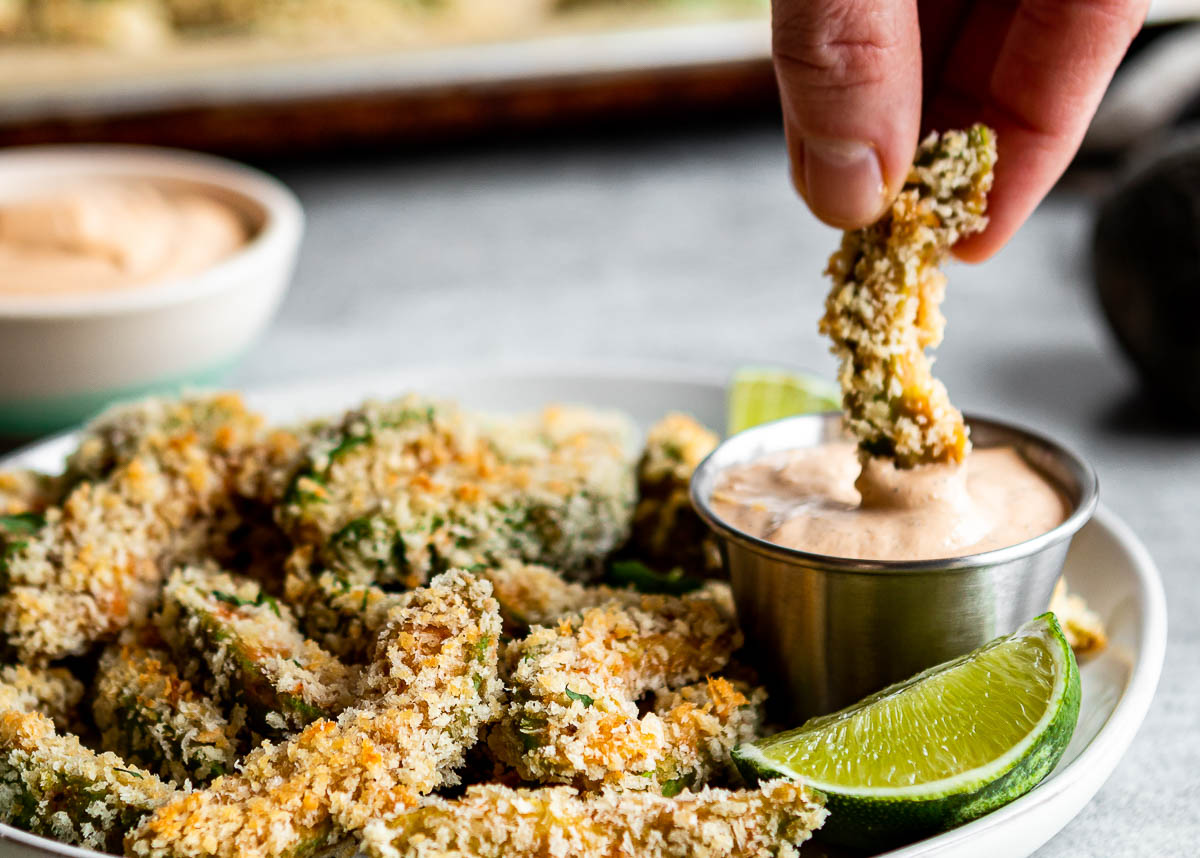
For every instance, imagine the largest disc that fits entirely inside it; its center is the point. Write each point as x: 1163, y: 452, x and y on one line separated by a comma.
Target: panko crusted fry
x: 52, y: 691
x: 433, y: 684
x: 882, y: 312
x: 557, y: 822
x: 24, y: 492
x: 345, y: 618
x: 703, y: 723
x: 574, y: 718
x: 400, y: 490
x: 151, y: 716
x: 139, y: 501
x: 533, y: 595
x: 253, y: 650
x: 54, y: 786
x: 219, y: 422
x: 1082, y: 626
x: 667, y: 532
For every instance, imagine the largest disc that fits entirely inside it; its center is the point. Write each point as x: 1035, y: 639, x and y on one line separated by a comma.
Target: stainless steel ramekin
x: 826, y: 631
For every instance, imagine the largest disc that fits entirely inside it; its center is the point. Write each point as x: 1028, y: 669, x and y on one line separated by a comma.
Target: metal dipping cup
x: 826, y: 631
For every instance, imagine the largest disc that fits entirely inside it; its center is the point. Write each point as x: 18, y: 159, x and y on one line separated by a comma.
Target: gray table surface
x: 693, y: 248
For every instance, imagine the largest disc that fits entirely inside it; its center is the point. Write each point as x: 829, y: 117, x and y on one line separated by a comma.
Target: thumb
x: 850, y: 80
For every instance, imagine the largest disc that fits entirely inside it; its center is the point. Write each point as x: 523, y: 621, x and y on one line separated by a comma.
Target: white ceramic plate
x: 1107, y: 565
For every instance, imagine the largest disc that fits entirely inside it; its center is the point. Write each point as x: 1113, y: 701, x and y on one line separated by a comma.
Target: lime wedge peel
x: 762, y: 394
x: 868, y: 759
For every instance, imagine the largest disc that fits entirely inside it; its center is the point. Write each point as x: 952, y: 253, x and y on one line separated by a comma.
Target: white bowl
x: 63, y: 357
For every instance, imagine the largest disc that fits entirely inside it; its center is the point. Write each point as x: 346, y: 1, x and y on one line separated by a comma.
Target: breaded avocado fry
x: 149, y: 715
x: 882, y: 312
x: 253, y: 651
x: 400, y: 490
x: 667, y: 532
x: 703, y: 723
x: 433, y: 685
x: 144, y: 493
x: 493, y: 821
x: 26, y: 492
x: 573, y: 716
x: 533, y: 595
x: 217, y: 422
x: 50, y: 784
x: 344, y: 618
x: 52, y: 691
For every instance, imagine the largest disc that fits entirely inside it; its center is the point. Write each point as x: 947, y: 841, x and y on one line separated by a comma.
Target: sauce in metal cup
x: 826, y: 631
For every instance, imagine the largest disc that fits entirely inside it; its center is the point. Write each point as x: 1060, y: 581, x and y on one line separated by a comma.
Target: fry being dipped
x: 882, y: 312
x: 904, y: 486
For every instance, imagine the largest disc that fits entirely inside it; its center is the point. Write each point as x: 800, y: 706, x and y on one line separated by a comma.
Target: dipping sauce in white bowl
x: 104, y: 235
x: 130, y: 270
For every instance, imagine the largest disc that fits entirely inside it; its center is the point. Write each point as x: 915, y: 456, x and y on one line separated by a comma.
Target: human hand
x: 861, y: 79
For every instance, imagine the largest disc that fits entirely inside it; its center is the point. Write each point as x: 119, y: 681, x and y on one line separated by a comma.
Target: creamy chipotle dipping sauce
x: 102, y: 236
x: 821, y: 500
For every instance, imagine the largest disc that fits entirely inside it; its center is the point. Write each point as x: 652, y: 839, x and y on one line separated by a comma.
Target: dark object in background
x: 1146, y: 260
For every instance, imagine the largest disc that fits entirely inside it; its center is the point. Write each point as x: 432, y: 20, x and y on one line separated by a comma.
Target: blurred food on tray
x: 152, y: 25
x: 102, y: 235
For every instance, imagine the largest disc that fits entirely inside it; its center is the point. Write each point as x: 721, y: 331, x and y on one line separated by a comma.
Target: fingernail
x: 843, y: 182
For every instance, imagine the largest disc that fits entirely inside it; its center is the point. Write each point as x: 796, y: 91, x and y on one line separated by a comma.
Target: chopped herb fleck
x: 481, y: 648
x: 347, y: 444
x: 672, y: 788
x: 239, y: 602
x: 639, y: 576
x: 231, y: 599
x: 585, y: 699
x: 22, y: 522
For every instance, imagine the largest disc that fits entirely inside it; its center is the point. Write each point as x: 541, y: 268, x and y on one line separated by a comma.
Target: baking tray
x: 254, y: 95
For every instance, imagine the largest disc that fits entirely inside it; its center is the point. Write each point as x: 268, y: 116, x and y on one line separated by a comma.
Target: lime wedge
x: 944, y: 747
x: 759, y: 395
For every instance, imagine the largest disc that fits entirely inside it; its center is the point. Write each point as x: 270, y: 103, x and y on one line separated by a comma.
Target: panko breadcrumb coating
x: 343, y: 617
x: 24, y: 492
x: 151, y: 716
x: 494, y: 821
x: 1082, y: 626
x: 704, y: 722
x: 255, y: 655
x: 52, y: 691
x: 400, y: 490
x: 433, y: 684
x: 882, y: 312
x: 96, y: 563
x: 533, y: 595
x: 219, y: 422
x: 573, y: 717
x: 53, y: 785
x: 667, y: 532
x: 347, y: 617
